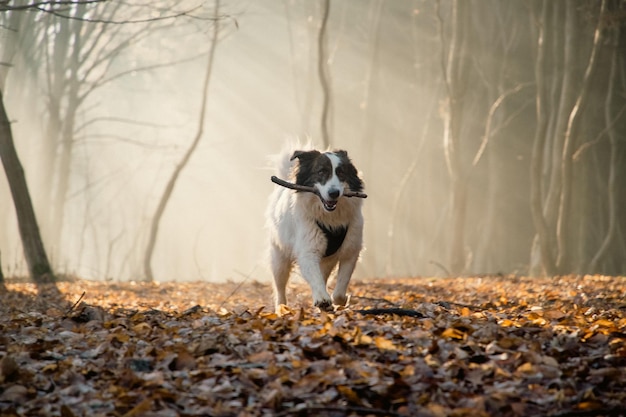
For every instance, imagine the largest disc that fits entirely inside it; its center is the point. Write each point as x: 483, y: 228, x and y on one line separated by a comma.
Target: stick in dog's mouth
x: 298, y: 187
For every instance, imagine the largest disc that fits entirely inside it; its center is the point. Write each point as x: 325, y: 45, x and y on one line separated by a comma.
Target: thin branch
x: 122, y: 120
x: 169, y: 188
x: 395, y: 311
x: 69, y: 310
x: 445, y: 270
x: 583, y: 148
x: 108, y: 138
x: 187, y: 13
x: 496, y: 104
x: 124, y: 73
x: 374, y: 299
x: 106, y: 57
x: 233, y: 292
x: 316, y: 409
x: 48, y: 3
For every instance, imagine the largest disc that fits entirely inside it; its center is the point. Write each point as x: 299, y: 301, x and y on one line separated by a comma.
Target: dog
x: 316, y: 232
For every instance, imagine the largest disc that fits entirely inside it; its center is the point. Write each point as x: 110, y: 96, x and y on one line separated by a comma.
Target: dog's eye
x: 339, y: 170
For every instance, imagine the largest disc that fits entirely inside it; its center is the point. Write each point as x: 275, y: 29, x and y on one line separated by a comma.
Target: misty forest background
x: 490, y: 134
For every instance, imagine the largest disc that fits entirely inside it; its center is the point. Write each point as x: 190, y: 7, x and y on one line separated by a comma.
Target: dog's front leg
x: 312, y: 273
x: 346, y: 268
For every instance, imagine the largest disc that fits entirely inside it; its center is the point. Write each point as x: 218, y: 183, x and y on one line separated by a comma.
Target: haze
x: 389, y: 109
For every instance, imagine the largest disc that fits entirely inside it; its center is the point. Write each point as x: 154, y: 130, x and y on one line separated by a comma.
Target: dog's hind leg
x: 346, y: 268
x: 327, y: 268
x: 281, y: 267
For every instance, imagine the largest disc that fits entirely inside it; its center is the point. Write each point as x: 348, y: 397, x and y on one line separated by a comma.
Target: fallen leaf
x: 452, y: 333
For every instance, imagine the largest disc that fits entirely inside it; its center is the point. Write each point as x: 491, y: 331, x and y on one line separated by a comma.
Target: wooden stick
x: 395, y: 311
x: 296, y: 187
x: 313, y: 190
x: 75, y: 304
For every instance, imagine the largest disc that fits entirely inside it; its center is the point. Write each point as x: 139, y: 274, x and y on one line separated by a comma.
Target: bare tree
x: 80, y: 50
x: 542, y: 242
x: 34, y: 251
x: 557, y: 131
x: 612, y: 194
x: 169, y: 187
x: 454, y: 63
x: 77, y: 45
x: 571, y: 133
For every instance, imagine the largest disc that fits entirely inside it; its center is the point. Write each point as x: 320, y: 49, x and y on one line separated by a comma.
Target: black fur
x: 348, y: 173
x: 315, y: 167
x: 334, y: 237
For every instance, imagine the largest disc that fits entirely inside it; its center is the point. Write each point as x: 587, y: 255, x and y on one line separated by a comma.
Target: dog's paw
x: 324, y: 305
x: 340, y: 300
x: 283, y: 310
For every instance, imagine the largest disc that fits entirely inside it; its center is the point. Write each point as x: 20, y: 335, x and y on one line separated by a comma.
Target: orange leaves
x: 349, y: 394
x: 452, y: 333
x: 384, y: 343
x: 474, y: 346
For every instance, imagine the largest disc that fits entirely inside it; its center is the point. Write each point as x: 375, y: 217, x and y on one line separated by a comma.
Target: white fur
x: 295, y: 237
x: 334, y: 182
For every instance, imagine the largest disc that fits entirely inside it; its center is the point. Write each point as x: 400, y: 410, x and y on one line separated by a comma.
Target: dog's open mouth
x: 329, y: 205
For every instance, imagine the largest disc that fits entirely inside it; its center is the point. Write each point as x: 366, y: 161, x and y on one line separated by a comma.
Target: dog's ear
x: 304, y: 155
x: 296, y: 154
x: 342, y: 154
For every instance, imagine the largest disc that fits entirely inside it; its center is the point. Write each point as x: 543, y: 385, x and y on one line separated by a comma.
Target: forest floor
x: 475, y: 346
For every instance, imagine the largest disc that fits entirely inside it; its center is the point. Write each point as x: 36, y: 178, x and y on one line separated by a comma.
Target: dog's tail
x: 284, y: 164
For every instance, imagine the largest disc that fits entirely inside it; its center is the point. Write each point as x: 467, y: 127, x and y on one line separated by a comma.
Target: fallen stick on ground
x: 395, y: 311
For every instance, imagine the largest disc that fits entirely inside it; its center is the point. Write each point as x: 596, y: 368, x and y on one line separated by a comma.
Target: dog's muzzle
x: 331, y: 203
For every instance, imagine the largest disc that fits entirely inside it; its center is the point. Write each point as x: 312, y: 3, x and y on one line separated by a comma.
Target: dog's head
x: 331, y: 173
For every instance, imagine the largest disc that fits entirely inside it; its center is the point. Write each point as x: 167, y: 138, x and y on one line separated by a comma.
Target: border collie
x: 316, y: 232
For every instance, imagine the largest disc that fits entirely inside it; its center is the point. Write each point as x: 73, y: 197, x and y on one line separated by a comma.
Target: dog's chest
x: 334, y: 237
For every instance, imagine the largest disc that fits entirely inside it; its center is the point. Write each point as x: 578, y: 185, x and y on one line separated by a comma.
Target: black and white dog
x: 315, y: 231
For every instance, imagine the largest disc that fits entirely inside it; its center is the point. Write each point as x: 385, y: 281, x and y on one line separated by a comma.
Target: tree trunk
x: 613, y: 161
x: 169, y: 188
x: 56, y: 62
x: 68, y: 79
x: 34, y: 251
x: 562, y: 32
x: 459, y: 211
x: 322, y: 63
x: 542, y: 238
x: 563, y: 223
x: 454, y: 67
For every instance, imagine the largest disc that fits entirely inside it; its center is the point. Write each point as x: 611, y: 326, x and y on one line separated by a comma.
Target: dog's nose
x: 333, y: 193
